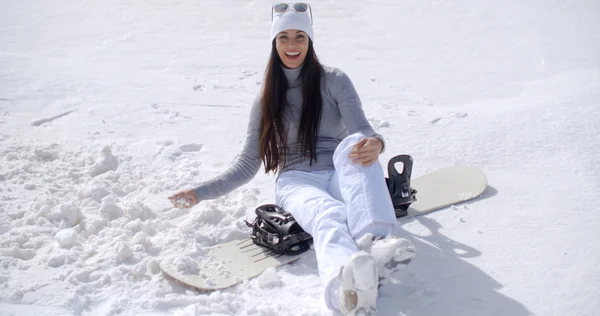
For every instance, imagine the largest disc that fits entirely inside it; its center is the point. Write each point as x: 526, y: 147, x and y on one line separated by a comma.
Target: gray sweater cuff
x: 382, y: 140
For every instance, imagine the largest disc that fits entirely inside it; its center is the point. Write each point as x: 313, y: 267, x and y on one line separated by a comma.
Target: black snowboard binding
x: 277, y: 230
x: 399, y: 184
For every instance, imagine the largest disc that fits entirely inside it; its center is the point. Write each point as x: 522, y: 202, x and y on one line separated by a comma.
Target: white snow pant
x: 338, y: 207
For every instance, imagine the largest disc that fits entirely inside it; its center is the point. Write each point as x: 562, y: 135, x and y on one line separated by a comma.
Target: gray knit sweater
x: 342, y: 115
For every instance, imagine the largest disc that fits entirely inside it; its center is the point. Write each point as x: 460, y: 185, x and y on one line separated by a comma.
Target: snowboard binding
x: 399, y: 184
x: 277, y: 230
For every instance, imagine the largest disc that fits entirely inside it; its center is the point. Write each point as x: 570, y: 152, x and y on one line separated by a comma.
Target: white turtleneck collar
x: 292, y: 75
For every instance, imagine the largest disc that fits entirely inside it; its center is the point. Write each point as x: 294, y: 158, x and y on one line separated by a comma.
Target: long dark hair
x: 273, y: 139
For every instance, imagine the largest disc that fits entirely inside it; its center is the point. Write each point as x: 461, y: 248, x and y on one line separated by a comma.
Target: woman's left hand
x: 367, y: 151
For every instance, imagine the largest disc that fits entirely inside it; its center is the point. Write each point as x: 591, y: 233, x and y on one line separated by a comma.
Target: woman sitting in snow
x: 307, y: 125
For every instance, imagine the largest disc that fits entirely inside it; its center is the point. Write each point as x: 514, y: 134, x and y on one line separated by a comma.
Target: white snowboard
x: 233, y: 262
x: 445, y: 187
x: 228, y: 264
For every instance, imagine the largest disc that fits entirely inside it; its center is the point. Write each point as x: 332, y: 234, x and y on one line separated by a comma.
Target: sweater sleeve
x: 245, y: 167
x: 350, y: 106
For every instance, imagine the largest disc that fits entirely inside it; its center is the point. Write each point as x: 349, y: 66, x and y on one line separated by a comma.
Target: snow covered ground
x: 108, y: 107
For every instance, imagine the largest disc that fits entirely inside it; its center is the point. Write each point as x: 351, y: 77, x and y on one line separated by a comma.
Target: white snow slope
x: 107, y: 107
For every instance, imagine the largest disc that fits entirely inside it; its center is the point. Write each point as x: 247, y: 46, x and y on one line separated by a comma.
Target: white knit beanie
x: 291, y: 19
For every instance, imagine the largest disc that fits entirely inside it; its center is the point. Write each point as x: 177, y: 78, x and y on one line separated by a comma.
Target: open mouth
x: 292, y: 55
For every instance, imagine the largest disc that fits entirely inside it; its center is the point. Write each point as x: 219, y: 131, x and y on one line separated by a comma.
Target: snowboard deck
x: 445, y: 187
x: 228, y: 264
x: 233, y: 262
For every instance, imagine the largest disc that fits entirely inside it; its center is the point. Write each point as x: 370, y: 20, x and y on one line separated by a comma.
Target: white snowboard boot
x: 390, y: 252
x: 359, y: 285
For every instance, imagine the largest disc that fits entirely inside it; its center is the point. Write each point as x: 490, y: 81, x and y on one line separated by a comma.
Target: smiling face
x: 292, y: 46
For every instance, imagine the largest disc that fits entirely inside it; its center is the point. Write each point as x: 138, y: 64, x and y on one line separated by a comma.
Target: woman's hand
x: 367, y: 151
x: 184, y: 199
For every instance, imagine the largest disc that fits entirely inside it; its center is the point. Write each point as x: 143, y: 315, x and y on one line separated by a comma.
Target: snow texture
x: 109, y: 107
x: 268, y: 279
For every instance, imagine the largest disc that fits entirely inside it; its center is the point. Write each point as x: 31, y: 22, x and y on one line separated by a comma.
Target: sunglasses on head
x: 298, y: 7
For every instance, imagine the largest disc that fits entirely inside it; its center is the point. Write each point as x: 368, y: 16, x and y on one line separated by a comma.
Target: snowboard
x: 445, y: 187
x: 227, y: 264
x: 233, y: 262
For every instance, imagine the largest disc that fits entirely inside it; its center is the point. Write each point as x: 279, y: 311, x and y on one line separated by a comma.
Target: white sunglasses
x: 298, y: 7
